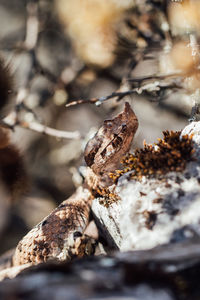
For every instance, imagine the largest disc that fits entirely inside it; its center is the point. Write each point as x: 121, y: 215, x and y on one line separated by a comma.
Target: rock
x: 156, y: 210
x: 169, y: 272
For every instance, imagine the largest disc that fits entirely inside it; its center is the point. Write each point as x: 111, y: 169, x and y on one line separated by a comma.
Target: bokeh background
x: 64, y: 50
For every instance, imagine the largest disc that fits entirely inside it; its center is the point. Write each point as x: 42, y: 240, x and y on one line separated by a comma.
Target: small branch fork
x: 29, y: 44
x: 156, y: 85
x: 13, y: 119
x: 40, y: 128
x: 139, y: 85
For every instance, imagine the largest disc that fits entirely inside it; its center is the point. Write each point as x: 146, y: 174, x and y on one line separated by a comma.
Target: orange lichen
x: 169, y: 154
x: 106, y: 196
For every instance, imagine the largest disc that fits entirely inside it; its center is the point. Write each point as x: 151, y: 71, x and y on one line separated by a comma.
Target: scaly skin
x: 60, y: 235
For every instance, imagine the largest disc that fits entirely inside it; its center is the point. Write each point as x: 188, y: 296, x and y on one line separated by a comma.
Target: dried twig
x: 158, y: 77
x: 13, y: 120
x: 99, y: 101
x: 61, y: 134
x: 32, y: 26
x: 149, y: 87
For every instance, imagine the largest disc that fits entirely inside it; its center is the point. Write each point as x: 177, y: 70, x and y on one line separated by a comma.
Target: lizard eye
x: 124, y: 127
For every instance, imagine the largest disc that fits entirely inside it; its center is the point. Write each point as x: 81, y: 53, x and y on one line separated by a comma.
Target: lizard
x: 60, y: 236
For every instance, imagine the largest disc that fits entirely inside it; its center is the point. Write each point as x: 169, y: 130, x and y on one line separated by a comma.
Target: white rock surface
x: 153, y: 211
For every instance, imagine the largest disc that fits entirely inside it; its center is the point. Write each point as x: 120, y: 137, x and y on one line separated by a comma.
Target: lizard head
x: 112, y: 141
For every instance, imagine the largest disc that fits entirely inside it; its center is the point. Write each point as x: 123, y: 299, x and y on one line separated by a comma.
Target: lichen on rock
x: 159, y: 193
x: 169, y: 154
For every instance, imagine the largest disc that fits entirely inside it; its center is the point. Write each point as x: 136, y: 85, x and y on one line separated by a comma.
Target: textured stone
x: 170, y: 272
x: 154, y: 211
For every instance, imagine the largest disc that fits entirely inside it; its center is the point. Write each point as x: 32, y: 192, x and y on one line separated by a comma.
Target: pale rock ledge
x: 154, y: 212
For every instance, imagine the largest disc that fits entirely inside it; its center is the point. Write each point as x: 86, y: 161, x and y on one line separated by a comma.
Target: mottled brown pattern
x: 48, y: 239
x: 105, y: 150
x: 61, y: 235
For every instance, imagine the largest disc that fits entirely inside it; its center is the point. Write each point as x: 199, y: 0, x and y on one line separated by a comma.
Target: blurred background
x: 65, y: 50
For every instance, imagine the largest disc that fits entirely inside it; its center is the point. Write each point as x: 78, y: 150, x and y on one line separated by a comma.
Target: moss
x: 169, y: 154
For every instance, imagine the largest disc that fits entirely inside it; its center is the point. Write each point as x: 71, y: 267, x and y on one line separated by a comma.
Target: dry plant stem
x: 12, y: 121
x: 29, y: 45
x: 37, y: 127
x: 152, y: 86
x: 100, y: 100
x: 161, y: 77
x: 32, y: 26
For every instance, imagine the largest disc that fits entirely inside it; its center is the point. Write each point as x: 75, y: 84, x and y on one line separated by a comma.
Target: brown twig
x: 149, y: 87
x: 157, y: 77
x: 99, y: 101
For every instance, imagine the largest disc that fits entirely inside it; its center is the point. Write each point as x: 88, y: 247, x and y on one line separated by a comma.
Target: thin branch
x: 32, y: 26
x: 99, y: 101
x: 12, y: 120
x: 149, y: 87
x: 155, y: 77
x: 61, y: 134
